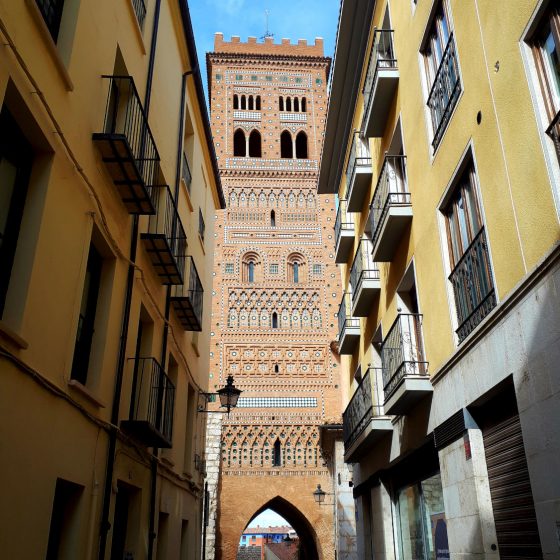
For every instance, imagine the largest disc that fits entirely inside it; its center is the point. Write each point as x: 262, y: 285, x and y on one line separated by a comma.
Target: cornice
x: 251, y: 58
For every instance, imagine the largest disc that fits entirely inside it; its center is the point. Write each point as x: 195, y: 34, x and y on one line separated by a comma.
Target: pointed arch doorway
x: 297, y: 520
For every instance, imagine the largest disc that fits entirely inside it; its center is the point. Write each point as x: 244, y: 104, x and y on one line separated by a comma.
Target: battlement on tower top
x: 252, y: 46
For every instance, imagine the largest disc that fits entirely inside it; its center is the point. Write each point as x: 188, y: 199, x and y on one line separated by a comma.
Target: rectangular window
x: 190, y: 430
x: 16, y: 160
x: 86, y: 320
x: 471, y: 276
x: 184, y: 539
x: 201, y: 225
x: 546, y: 50
x: 51, y: 10
x: 64, y: 528
x: 442, y: 72
x: 421, y: 523
x: 229, y: 268
x: 273, y: 269
x: 126, y: 521
x: 186, y: 172
x: 317, y: 269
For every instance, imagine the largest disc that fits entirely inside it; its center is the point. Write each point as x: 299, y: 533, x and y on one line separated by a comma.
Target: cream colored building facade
x: 108, y: 193
x: 442, y: 145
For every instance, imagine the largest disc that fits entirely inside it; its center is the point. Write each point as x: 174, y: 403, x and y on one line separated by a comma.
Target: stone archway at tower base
x: 291, y: 499
x: 298, y: 522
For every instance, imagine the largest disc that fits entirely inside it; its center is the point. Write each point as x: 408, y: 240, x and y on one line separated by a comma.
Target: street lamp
x: 228, y: 395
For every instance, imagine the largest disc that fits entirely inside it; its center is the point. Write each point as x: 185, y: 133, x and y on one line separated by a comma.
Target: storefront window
x: 421, y: 521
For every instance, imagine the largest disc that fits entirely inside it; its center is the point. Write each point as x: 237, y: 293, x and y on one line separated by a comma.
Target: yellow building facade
x: 442, y: 145
x: 108, y: 193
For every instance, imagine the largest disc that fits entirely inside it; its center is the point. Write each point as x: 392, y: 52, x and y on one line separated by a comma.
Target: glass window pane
x: 551, y: 58
x: 435, y: 522
x: 410, y: 524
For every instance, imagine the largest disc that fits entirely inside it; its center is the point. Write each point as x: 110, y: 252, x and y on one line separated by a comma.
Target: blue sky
x: 293, y: 19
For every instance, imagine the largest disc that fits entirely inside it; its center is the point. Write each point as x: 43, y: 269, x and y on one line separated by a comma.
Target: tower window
x: 281, y: 103
x: 277, y: 454
x: 236, y: 101
x: 258, y: 103
x: 239, y: 143
x: 303, y: 104
x: 255, y: 144
x: 250, y: 103
x: 296, y: 272
x: 301, y: 145
x: 275, y: 320
x: 288, y: 104
x: 251, y: 271
x: 296, y: 104
x: 272, y: 218
x: 243, y: 102
x: 276, y: 368
x: 286, y: 146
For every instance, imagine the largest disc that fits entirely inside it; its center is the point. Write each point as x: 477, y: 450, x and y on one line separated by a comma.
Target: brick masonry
x: 272, y: 334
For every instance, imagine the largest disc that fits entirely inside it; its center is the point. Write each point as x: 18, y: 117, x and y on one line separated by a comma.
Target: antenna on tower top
x: 267, y: 33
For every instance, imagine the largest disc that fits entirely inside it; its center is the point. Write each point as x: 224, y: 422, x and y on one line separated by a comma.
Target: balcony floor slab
x: 387, y: 240
x: 408, y: 393
x: 378, y: 428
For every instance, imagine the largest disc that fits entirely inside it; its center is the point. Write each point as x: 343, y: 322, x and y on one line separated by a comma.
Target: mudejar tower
x: 275, y: 294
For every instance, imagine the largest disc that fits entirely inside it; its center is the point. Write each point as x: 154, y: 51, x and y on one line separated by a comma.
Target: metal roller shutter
x: 512, y: 498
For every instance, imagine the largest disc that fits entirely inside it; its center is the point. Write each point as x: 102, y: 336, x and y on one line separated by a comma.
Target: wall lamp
x: 228, y: 396
x: 319, y: 494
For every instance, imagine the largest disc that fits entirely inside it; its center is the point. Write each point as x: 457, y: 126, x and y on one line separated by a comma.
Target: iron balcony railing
x: 51, y: 10
x: 444, y: 92
x: 153, y: 397
x: 166, y: 224
x: 359, y: 157
x: 345, y: 319
x: 365, y: 404
x: 554, y: 132
x: 140, y: 11
x: 125, y: 118
x: 382, y: 56
x: 473, y: 286
x: 189, y: 297
x: 186, y: 172
x: 391, y: 190
x: 402, y: 351
x: 363, y: 267
x: 343, y: 221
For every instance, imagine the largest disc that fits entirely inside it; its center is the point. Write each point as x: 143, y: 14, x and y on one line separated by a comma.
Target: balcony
x: 364, y: 421
x: 165, y: 241
x: 151, y: 408
x: 127, y: 146
x: 358, y: 175
x: 140, y: 11
x: 348, y: 327
x: 405, y: 372
x: 473, y: 286
x: 553, y: 131
x: 390, y: 212
x: 364, y: 279
x: 381, y: 83
x: 343, y: 234
x: 186, y: 299
x: 444, y: 92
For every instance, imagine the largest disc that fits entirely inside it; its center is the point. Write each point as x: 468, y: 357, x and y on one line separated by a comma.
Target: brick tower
x: 275, y: 293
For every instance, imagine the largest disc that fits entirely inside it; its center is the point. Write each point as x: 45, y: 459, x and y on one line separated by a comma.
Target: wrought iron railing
x: 186, y: 172
x: 343, y: 220
x: 391, y: 190
x: 51, y: 10
x: 140, y: 11
x: 554, y: 132
x: 191, y: 288
x: 473, y: 286
x: 359, y: 157
x: 125, y: 116
x: 444, y: 91
x: 363, y: 267
x: 153, y: 396
x: 365, y: 404
x: 382, y: 56
x: 345, y: 318
x: 166, y: 222
x: 402, y: 351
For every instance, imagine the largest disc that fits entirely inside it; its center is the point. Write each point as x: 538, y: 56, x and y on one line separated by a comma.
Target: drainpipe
x: 115, y: 409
